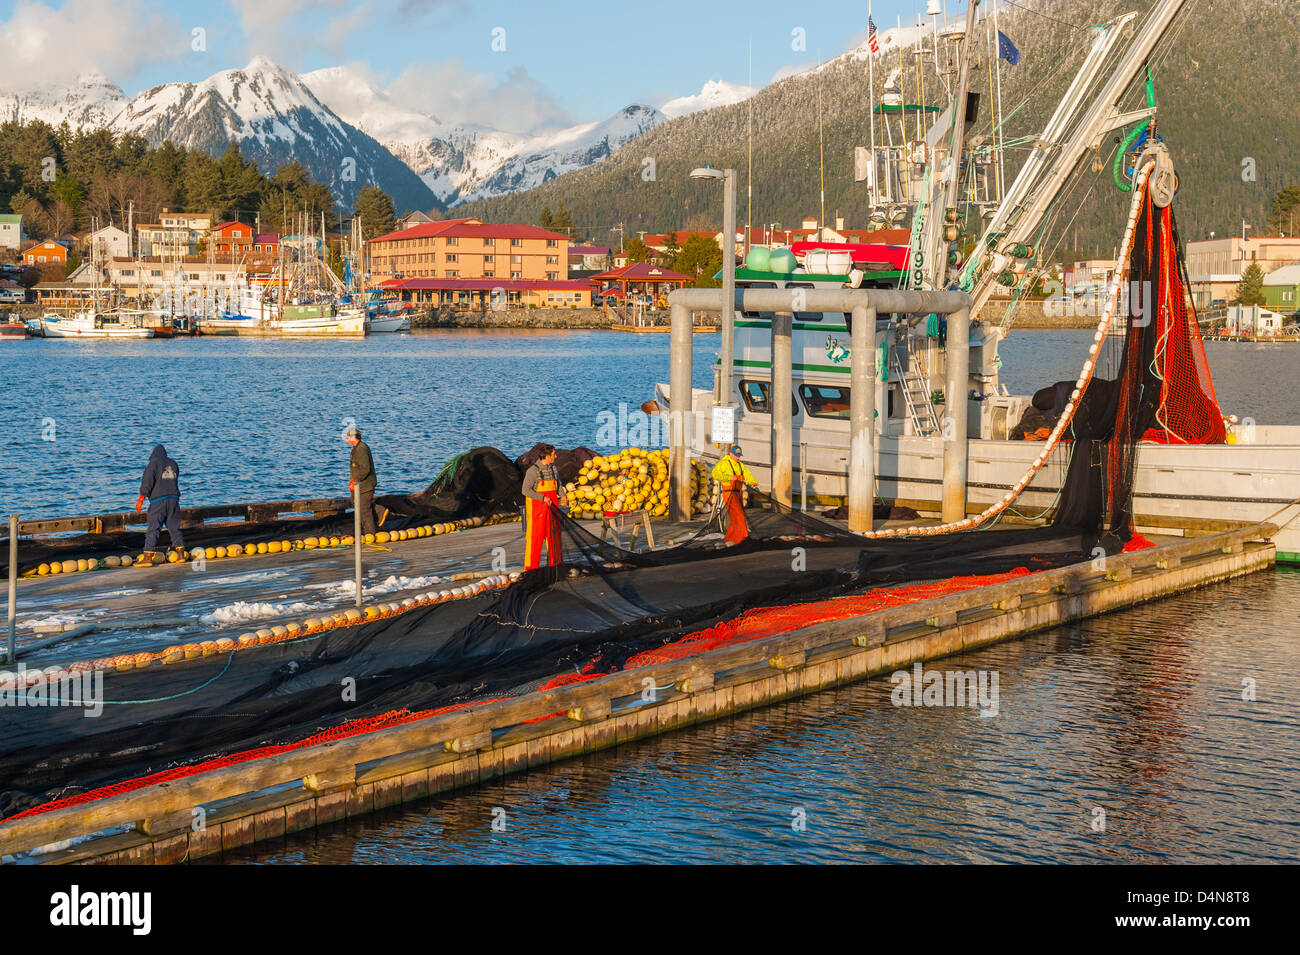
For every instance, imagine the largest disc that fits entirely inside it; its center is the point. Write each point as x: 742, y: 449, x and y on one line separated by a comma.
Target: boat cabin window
x: 757, y: 396
x: 805, y: 316
x: 825, y: 401
x: 766, y: 315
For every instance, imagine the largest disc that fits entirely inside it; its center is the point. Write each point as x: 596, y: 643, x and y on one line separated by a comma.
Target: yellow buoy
x: 273, y: 547
x: 69, y: 566
x: 234, y: 550
x: 210, y: 552
x: 369, y: 538
x: 221, y: 552
x: 263, y: 547
x: 382, y: 537
x: 43, y: 570
x: 309, y: 543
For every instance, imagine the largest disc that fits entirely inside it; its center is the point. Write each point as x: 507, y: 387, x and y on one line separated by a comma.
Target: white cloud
x: 46, y: 46
x: 517, y: 103
x: 786, y: 72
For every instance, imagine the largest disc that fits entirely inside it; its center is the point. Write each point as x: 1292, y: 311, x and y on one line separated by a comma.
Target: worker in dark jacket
x: 161, y: 485
x: 362, y: 478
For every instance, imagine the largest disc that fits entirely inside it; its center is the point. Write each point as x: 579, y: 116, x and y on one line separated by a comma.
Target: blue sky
x: 564, y: 61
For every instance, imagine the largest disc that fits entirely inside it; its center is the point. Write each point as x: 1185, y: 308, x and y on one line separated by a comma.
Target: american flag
x: 872, y: 42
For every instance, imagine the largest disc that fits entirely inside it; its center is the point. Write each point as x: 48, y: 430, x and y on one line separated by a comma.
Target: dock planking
x: 330, y: 782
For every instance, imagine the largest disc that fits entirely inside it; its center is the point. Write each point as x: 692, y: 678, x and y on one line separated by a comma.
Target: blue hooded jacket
x: 161, y: 476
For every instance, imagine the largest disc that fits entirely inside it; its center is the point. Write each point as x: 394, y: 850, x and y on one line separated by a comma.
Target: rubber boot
x: 181, y: 554
x: 147, y: 559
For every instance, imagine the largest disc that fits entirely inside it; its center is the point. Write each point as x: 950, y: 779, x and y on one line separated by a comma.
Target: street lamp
x: 722, y: 389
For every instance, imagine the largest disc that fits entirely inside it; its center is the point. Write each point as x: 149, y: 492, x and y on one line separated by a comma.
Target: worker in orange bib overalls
x: 732, y: 475
x: 543, y: 498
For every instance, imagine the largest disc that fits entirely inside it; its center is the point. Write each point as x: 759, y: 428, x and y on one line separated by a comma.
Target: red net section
x: 1189, y: 409
x: 770, y: 621
x: 352, y: 728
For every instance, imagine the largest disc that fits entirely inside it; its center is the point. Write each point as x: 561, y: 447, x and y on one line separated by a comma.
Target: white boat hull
x: 1193, y: 487
x: 390, y: 323
x: 342, y: 325
x: 73, y: 329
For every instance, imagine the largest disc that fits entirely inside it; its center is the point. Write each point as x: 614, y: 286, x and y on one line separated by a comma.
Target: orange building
x: 470, y: 249
x: 45, y: 253
x: 231, y: 238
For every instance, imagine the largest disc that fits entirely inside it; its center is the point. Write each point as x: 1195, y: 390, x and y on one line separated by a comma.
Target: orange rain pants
x: 733, y: 498
x: 541, y: 527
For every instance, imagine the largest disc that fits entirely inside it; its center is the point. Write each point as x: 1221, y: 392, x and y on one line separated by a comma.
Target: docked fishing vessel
x: 1200, y: 474
x: 90, y: 324
x: 300, y: 299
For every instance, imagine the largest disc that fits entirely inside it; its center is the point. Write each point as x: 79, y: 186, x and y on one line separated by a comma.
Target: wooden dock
x: 235, y: 806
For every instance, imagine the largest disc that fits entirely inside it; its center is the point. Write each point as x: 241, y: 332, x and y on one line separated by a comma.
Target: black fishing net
x: 603, y: 605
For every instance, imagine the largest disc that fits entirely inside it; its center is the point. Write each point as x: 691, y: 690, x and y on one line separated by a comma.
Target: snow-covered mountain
x: 713, y: 93
x: 91, y: 103
x: 275, y: 118
x: 464, y: 161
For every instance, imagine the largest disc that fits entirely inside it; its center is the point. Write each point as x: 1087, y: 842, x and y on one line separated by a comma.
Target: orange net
x: 1189, y: 411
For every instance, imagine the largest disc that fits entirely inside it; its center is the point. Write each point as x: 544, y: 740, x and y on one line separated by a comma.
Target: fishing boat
x: 1251, y: 473
x: 302, y: 298
x: 253, y: 315
x: 10, y: 328
x: 91, y: 324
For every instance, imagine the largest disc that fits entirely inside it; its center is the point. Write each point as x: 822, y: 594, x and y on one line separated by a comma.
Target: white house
x: 1253, y: 320
x: 108, y: 243
x: 11, y: 232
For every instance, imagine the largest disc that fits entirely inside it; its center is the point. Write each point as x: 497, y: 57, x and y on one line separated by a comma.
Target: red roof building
x: 640, y: 279
x: 231, y: 238
x: 470, y: 249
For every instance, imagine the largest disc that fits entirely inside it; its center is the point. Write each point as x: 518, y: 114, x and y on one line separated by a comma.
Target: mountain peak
x: 712, y: 94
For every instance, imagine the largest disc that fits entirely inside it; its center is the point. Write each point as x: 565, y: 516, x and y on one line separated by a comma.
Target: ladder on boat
x: 915, y: 388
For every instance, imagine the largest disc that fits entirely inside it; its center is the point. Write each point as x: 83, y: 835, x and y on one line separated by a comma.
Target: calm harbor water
x: 1139, y: 713
x: 253, y: 419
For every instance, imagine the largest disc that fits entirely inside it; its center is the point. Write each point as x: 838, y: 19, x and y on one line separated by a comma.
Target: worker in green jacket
x: 362, y: 479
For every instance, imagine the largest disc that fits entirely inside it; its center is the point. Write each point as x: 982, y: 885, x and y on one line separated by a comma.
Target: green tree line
x: 61, y: 180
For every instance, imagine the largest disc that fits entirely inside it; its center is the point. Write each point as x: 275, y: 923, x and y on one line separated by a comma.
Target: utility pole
x: 619, y: 230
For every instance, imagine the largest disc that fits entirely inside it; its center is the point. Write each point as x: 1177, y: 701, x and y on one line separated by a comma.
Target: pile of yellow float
x: 631, y: 480
x: 273, y: 547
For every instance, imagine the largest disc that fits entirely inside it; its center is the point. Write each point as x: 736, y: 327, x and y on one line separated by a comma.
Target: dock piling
x: 680, y: 411
x: 356, y: 536
x: 954, y: 412
x: 13, y: 588
x: 782, y: 408
x: 862, y: 415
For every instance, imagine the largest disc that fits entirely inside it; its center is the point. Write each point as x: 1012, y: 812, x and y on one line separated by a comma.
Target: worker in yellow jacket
x: 732, y: 475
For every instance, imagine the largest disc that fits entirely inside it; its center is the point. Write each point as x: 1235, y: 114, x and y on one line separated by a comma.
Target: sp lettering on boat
x: 76, y: 908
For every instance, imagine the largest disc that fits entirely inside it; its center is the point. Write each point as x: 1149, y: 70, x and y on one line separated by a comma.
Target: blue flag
x: 1007, y: 50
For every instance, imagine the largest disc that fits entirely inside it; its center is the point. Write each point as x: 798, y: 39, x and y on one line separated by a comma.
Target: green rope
x: 1116, y: 167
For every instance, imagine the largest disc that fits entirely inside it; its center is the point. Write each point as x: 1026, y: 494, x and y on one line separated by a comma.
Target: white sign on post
x: 724, y: 424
